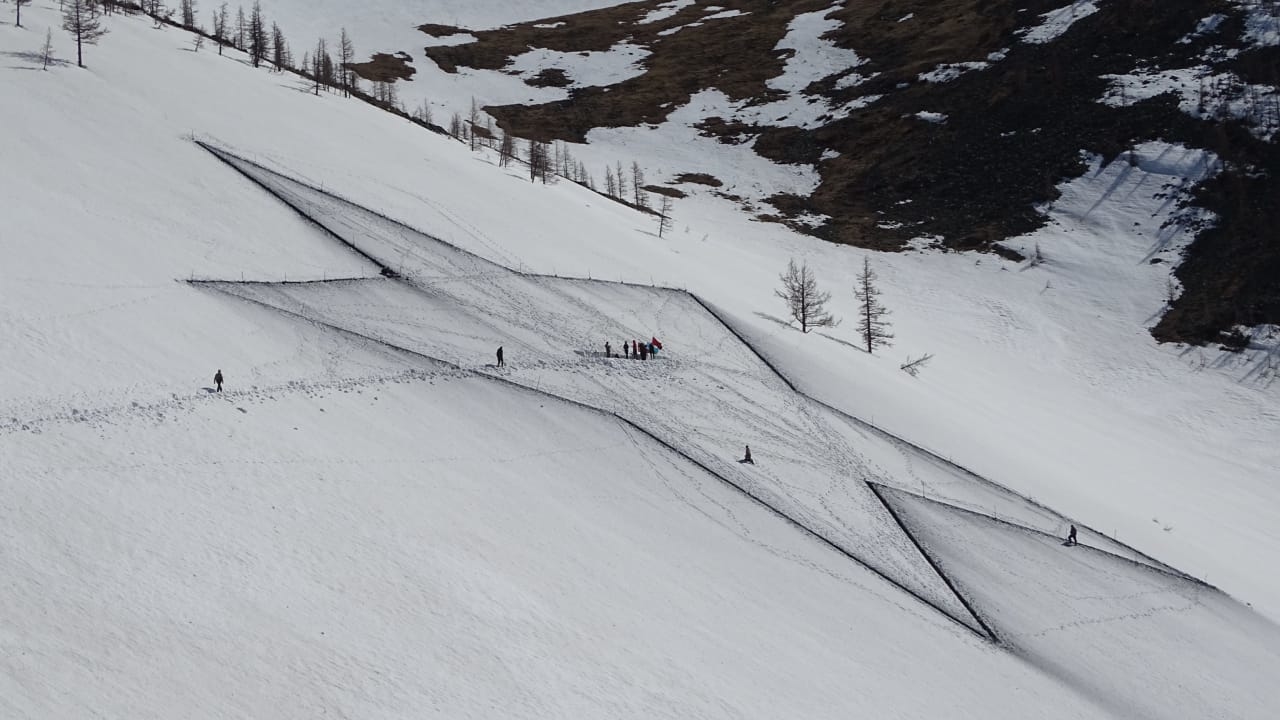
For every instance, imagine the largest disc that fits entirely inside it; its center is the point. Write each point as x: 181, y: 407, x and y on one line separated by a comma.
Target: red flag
x: 656, y: 343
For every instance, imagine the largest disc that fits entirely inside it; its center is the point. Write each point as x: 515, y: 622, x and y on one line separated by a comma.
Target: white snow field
x: 372, y: 522
x: 1045, y: 377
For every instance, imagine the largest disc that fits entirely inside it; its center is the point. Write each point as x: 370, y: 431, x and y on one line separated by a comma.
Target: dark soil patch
x: 550, y: 77
x: 385, y: 68
x: 442, y: 30
x: 663, y: 190
x: 699, y: 179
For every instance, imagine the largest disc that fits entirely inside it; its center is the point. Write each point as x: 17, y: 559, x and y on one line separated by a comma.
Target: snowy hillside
x: 374, y: 521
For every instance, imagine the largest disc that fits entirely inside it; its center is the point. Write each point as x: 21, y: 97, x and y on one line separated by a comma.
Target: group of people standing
x: 635, y: 349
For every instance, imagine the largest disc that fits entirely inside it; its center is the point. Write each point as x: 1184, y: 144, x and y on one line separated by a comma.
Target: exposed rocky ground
x: 953, y: 125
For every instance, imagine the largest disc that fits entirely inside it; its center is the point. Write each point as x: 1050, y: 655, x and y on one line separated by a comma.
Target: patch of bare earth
x: 383, y: 67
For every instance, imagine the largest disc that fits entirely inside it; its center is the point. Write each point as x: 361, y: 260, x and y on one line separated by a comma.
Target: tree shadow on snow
x: 770, y: 318
x: 833, y: 338
x: 35, y: 58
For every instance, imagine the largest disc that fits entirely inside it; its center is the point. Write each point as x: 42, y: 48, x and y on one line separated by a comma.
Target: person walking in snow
x: 747, y: 457
x: 217, y: 379
x: 1071, y: 536
x: 500, y: 362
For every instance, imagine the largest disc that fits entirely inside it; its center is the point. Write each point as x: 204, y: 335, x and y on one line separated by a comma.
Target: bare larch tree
x: 637, y: 185
x: 220, y: 21
x: 259, y: 40
x: 242, y: 29
x: 279, y: 49
x: 346, y: 56
x: 506, y: 149
x: 805, y: 302
x: 80, y: 18
x: 871, y: 313
x: 188, y: 8
x: 46, y: 52
x: 664, y: 216
x: 473, y: 123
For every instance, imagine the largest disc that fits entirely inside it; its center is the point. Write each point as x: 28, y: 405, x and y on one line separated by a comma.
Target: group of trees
x: 265, y: 42
x: 547, y: 161
x: 251, y: 33
x: 807, y: 303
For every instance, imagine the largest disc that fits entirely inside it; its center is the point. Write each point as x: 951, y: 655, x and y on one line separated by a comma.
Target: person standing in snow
x: 500, y: 362
x: 635, y: 349
x: 644, y: 351
x: 1071, y: 536
x: 217, y: 379
x: 626, y: 349
x: 747, y: 457
x: 608, y: 349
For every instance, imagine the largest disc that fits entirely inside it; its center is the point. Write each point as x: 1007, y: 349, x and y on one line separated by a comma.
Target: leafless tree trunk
x: 279, y: 49
x: 506, y: 150
x: 346, y: 56
x: 637, y: 185
x: 871, y: 323
x: 913, y: 367
x: 220, y: 27
x: 805, y: 302
x: 19, y: 3
x: 188, y: 14
x: 473, y: 121
x: 80, y: 18
x: 46, y: 52
x: 318, y: 63
x: 664, y: 216
x: 258, y: 39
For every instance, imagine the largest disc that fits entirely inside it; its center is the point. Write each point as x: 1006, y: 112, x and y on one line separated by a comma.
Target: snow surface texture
x: 425, y: 544
x: 1055, y: 23
x: 1102, y: 623
x: 544, y: 319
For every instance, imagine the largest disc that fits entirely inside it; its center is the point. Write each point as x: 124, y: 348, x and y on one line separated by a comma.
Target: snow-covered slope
x: 354, y: 528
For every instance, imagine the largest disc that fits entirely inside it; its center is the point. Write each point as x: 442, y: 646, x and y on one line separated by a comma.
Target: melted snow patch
x: 667, y: 148
x: 664, y: 11
x: 1204, y: 27
x: 812, y: 57
x: 448, y: 40
x: 1056, y: 22
x: 1261, y: 23
x: 852, y: 79
x: 1202, y: 94
x: 620, y: 62
x: 1115, y: 218
x: 946, y: 72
